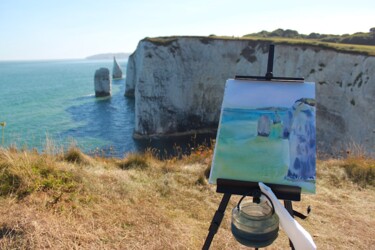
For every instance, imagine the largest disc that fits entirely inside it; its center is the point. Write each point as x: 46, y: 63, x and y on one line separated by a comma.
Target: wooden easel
x: 234, y: 187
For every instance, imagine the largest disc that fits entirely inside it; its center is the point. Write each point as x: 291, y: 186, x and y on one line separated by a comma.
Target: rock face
x: 116, y: 71
x: 102, y: 81
x: 178, y: 85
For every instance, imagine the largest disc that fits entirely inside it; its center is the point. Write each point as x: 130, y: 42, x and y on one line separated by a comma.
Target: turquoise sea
x: 56, y: 100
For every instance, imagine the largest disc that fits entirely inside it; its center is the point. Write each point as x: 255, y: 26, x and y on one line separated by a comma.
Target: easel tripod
x: 234, y: 187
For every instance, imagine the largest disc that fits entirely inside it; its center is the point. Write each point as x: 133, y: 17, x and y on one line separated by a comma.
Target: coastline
x: 207, y: 131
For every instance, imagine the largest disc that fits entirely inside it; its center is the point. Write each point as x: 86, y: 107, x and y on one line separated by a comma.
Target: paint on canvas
x: 267, y: 133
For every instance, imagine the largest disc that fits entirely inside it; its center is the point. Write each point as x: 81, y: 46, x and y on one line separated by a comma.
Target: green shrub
x: 23, y: 173
x: 48, y: 177
x: 9, y: 182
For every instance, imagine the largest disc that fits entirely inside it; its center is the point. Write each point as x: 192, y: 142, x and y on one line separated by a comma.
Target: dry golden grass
x: 167, y: 205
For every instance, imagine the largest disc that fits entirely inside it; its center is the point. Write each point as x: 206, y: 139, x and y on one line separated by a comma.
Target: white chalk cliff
x: 178, y: 85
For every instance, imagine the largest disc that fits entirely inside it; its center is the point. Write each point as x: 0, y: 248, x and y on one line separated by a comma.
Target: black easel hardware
x: 269, y: 75
x: 229, y: 187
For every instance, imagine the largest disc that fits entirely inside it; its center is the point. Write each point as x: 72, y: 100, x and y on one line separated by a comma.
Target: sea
x: 46, y: 103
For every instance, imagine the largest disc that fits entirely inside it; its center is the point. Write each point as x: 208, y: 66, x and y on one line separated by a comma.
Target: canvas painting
x: 267, y: 133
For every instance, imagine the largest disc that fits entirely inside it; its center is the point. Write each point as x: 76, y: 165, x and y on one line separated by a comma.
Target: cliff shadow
x: 106, y: 127
x: 107, y: 124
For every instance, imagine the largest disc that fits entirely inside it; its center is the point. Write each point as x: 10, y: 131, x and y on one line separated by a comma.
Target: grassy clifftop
x: 358, y: 43
x: 360, y: 38
x: 73, y: 201
x: 368, y: 50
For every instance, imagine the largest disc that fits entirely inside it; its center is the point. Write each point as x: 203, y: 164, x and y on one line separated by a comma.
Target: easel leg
x: 216, y: 220
x: 289, y: 207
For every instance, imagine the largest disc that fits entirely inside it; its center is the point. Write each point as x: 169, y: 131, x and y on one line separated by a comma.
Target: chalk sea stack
x: 264, y: 126
x: 116, y: 71
x: 102, y: 81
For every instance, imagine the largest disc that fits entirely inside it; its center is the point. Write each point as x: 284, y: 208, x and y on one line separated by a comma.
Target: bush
x: 360, y: 170
x: 48, y: 177
x: 359, y: 38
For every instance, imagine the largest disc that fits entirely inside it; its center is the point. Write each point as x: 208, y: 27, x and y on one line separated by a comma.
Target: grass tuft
x: 134, y: 161
x: 9, y: 182
x: 201, y: 180
x: 201, y: 154
x: 360, y: 170
x: 24, y: 173
x: 75, y: 155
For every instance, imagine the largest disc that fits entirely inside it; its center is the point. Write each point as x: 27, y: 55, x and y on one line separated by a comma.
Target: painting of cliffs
x: 267, y: 133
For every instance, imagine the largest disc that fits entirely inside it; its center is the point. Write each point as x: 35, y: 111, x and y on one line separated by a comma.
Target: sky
x: 67, y: 29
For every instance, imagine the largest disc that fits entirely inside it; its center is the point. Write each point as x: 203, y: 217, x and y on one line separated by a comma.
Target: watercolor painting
x: 267, y: 133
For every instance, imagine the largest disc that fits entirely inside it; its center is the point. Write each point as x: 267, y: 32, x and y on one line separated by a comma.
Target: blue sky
x: 57, y: 29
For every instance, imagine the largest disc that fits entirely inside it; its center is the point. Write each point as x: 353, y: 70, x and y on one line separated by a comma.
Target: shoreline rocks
x: 204, y: 131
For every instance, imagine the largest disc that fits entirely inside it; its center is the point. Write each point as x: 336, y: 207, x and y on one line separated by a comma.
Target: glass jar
x: 254, y: 225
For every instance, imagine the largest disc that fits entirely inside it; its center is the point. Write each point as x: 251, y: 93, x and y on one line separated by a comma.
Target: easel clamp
x: 282, y: 192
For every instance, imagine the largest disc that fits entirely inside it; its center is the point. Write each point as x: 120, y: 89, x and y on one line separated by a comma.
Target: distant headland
x: 103, y: 56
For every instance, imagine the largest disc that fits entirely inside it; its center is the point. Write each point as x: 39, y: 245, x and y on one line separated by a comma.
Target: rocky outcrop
x: 130, y: 76
x: 116, y: 71
x: 178, y: 85
x: 102, y: 82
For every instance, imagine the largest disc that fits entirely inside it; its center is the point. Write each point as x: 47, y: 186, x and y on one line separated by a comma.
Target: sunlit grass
x: 59, y: 202
x: 134, y: 161
x: 75, y: 155
x: 22, y: 173
x: 360, y: 170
